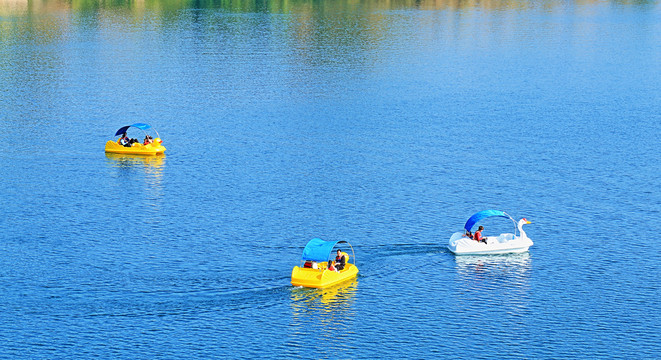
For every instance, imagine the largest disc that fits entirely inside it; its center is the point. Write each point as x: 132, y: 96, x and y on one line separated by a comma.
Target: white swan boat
x: 461, y: 243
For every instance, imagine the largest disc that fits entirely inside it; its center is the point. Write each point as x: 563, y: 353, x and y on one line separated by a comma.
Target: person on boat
x: 124, y: 140
x: 478, y: 235
x: 468, y: 234
x: 331, y: 266
x: 311, y: 265
x: 340, y: 260
x: 148, y: 140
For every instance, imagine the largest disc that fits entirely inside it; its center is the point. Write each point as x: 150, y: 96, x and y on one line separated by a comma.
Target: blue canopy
x: 318, y: 250
x: 141, y: 126
x: 483, y: 215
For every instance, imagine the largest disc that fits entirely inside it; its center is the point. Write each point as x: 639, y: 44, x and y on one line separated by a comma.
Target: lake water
x: 384, y: 123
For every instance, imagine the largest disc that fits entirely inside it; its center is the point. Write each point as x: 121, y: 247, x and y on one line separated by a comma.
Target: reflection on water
x: 515, y: 266
x: 164, y: 6
x: 496, y: 279
x: 322, y: 315
x: 151, y: 166
x: 333, y: 300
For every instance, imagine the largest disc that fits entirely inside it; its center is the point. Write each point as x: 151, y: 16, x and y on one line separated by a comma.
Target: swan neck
x: 522, y: 233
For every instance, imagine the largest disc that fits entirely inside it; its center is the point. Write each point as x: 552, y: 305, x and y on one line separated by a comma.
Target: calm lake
x: 383, y: 123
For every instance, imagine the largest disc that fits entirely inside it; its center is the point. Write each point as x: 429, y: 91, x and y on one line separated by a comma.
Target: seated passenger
x: 331, y: 267
x: 124, y: 140
x: 308, y: 265
x: 340, y: 260
x: 148, y: 140
x: 478, y: 235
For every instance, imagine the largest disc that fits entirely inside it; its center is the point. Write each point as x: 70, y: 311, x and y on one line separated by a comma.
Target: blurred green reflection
x: 285, y: 6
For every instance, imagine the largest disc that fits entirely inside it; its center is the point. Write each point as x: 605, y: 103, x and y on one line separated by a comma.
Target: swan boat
x: 137, y: 148
x: 461, y: 243
x: 314, y: 273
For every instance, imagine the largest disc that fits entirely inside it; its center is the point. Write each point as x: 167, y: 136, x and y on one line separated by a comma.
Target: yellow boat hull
x: 321, y: 278
x: 136, y: 149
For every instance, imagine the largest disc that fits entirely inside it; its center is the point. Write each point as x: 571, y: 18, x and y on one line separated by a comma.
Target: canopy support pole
x: 353, y: 254
x: 514, y: 221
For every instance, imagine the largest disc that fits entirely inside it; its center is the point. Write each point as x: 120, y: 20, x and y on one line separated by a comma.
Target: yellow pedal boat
x: 314, y: 272
x: 123, y: 145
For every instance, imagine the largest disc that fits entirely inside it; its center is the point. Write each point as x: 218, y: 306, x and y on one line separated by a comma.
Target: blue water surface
x: 386, y: 124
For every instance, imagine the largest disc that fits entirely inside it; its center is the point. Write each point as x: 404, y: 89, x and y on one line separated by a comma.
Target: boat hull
x: 321, y: 278
x: 136, y: 149
x: 503, y: 244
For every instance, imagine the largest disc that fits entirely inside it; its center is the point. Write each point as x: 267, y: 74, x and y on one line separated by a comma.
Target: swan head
x: 520, y: 224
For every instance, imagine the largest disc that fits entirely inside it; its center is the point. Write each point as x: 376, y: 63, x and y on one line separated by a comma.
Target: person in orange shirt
x: 478, y: 235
